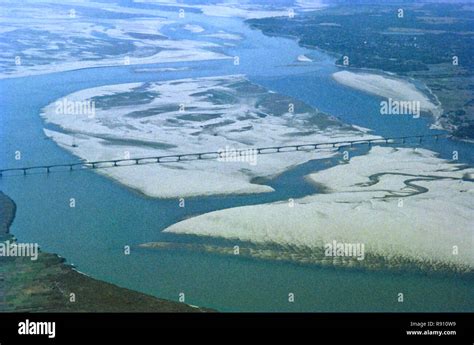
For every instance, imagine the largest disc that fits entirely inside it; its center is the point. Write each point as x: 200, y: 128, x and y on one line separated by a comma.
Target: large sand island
x: 387, y: 87
x: 392, y: 200
x: 188, y: 116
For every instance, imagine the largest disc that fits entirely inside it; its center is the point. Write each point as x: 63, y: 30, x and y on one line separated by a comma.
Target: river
x: 109, y: 216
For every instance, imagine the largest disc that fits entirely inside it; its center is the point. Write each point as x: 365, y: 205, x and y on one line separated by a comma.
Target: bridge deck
x: 217, y: 154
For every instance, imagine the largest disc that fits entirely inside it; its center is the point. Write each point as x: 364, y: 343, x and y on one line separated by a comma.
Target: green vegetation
x: 45, y: 285
x: 424, y: 42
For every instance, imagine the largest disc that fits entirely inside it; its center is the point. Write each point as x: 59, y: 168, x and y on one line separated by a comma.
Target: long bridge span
x: 184, y: 157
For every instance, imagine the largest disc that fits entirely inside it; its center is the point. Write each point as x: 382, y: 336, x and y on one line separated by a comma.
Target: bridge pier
x: 213, y: 155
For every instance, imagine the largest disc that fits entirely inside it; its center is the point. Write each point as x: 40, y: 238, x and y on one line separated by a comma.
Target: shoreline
x: 222, y: 99
x: 47, y: 284
x: 8, y: 211
x: 388, y: 86
x: 436, y: 118
x: 365, y: 193
x: 33, y: 73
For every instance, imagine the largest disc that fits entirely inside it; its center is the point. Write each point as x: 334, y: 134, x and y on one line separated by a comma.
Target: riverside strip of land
x: 429, y: 43
x: 46, y: 284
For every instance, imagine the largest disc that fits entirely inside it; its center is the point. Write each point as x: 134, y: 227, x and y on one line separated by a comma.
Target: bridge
x: 404, y: 140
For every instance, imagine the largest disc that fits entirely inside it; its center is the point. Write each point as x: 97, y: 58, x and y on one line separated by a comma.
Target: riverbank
x: 49, y: 284
x: 109, y: 216
x: 419, y: 47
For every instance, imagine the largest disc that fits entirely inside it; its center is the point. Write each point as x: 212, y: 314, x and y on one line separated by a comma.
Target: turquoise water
x: 109, y: 216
